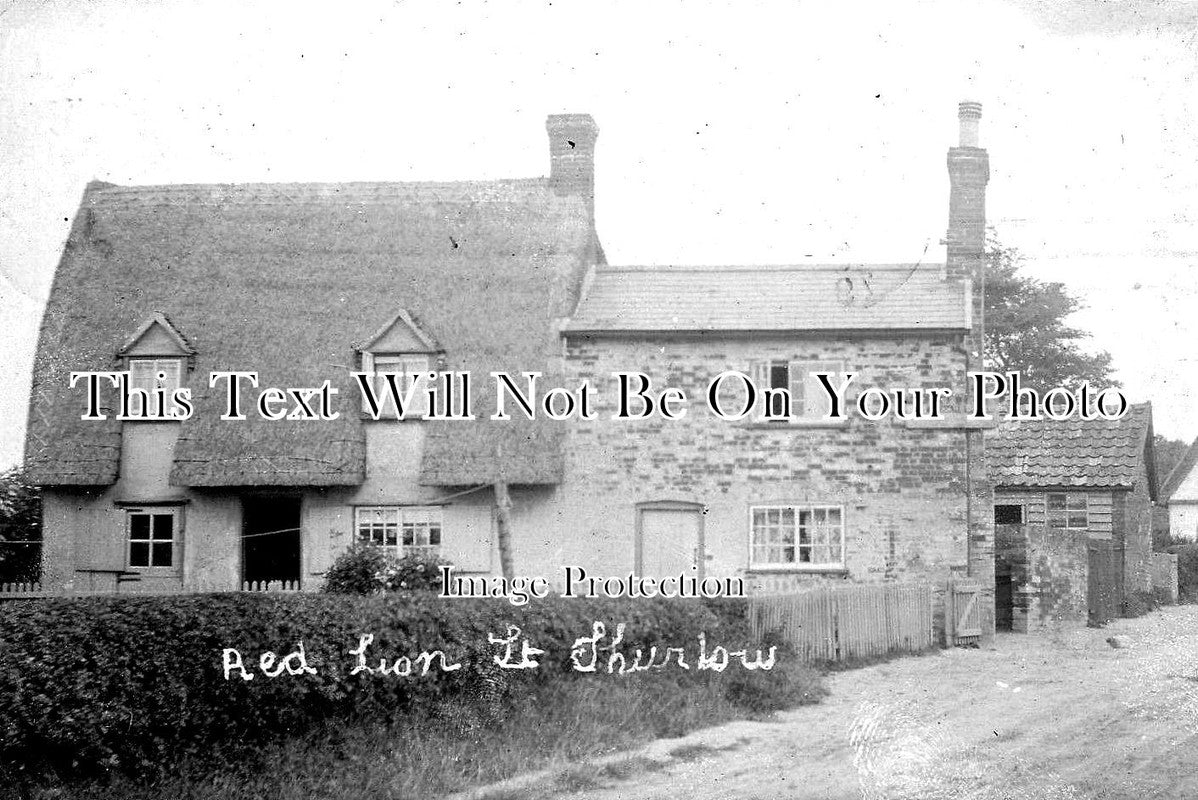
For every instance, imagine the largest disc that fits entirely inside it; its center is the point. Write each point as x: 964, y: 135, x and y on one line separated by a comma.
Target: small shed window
x: 1008, y: 514
x: 1068, y: 510
x: 798, y: 536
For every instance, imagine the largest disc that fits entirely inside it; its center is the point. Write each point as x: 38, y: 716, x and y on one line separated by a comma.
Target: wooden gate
x: 963, y: 613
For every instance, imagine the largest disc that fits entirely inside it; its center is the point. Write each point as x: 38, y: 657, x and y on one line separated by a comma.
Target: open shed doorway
x: 270, y: 539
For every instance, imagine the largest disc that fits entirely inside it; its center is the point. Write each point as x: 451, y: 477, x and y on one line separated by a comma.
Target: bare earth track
x: 1061, y: 715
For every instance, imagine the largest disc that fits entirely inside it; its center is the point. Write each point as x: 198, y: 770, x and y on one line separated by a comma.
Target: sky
x: 731, y: 133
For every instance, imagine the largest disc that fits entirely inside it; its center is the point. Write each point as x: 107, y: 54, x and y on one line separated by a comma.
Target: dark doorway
x: 270, y: 539
x: 1004, y: 602
x: 1008, y: 515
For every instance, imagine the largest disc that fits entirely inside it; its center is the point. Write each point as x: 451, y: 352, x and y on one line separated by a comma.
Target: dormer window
x: 158, y: 378
x: 157, y: 358
x: 402, y: 349
x: 409, y: 369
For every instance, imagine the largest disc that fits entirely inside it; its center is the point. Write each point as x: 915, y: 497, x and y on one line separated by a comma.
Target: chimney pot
x: 970, y: 115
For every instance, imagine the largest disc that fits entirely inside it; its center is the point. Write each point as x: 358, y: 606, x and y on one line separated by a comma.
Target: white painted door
x: 670, y: 541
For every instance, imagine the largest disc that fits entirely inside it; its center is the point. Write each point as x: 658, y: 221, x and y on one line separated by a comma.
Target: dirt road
x: 1046, y: 716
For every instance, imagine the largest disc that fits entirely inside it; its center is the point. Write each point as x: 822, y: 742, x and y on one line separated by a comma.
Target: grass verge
x: 465, y: 744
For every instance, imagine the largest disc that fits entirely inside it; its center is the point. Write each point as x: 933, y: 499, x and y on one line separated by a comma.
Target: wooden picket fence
x: 20, y: 591
x: 270, y: 586
x: 845, y: 622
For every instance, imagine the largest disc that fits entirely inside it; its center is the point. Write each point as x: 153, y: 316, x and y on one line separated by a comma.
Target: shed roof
x: 284, y: 279
x: 1074, y: 453
x: 875, y: 297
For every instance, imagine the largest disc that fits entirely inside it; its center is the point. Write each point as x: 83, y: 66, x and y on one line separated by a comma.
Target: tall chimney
x: 572, y: 156
x: 968, y: 173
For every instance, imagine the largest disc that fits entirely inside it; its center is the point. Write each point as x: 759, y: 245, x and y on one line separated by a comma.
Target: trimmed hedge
x: 131, y: 684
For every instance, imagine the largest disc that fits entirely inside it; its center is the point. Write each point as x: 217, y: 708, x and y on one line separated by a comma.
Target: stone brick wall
x: 1164, y: 576
x: 1049, y: 573
x: 903, y: 489
x: 1137, y: 536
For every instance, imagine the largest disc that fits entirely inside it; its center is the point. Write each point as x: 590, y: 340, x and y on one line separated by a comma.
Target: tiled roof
x: 1082, y: 453
x: 780, y: 298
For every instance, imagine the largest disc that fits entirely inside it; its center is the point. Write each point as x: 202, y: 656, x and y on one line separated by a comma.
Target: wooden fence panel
x: 845, y: 622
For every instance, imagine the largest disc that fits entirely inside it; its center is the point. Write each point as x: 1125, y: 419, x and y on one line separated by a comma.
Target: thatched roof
x: 1180, y: 472
x: 286, y: 279
x: 1095, y: 453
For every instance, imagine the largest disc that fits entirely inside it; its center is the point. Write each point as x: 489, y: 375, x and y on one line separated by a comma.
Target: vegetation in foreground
x: 466, y: 743
x: 134, y: 697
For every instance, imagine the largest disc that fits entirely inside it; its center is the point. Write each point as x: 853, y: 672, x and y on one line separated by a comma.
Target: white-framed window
x: 796, y: 536
x: 1068, y: 510
x: 809, y: 401
x: 405, y: 530
x: 409, y: 369
x: 152, y: 536
x: 158, y: 378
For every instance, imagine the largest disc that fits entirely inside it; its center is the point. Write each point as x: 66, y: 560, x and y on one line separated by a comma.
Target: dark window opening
x: 1008, y: 515
x: 779, y: 379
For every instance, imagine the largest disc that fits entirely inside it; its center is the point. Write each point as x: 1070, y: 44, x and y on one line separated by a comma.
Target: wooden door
x: 669, y: 541
x: 963, y: 611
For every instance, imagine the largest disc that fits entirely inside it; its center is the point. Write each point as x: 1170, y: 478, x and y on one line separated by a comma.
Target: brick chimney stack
x: 572, y: 156
x: 968, y: 173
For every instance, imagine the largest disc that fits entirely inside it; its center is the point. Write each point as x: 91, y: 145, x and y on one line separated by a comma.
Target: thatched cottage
x: 304, y: 282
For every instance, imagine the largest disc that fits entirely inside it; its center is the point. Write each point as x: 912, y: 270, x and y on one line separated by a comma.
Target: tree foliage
x: 20, y: 528
x: 1026, y: 327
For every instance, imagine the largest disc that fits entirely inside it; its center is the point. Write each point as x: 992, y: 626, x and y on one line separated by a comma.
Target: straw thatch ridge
x: 283, y: 279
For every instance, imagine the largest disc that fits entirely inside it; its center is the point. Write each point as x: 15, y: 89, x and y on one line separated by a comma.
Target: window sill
x: 957, y: 422
x: 154, y: 572
x: 790, y: 425
x: 784, y: 569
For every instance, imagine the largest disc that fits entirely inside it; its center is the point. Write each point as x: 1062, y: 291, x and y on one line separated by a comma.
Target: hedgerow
x: 96, y: 685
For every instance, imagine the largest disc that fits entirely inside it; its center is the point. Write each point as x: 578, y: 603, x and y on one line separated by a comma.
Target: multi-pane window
x: 149, y: 375
x: 152, y: 537
x: 408, y: 370
x: 797, y: 535
x: 1067, y: 510
x: 407, y: 530
x: 808, y: 399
